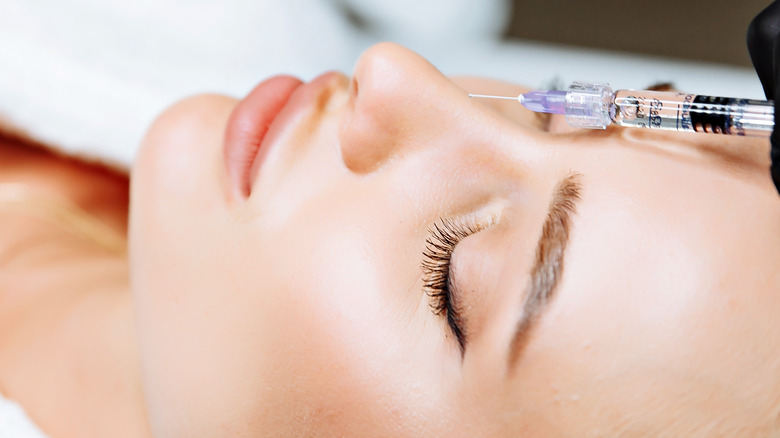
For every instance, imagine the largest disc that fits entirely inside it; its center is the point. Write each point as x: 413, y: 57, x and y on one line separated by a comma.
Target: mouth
x: 259, y: 118
x: 250, y: 122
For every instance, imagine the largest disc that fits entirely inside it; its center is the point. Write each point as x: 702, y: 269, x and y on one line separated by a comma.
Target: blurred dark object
x: 697, y: 30
x: 763, y: 40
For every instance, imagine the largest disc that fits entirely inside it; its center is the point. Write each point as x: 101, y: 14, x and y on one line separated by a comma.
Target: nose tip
x: 390, y: 102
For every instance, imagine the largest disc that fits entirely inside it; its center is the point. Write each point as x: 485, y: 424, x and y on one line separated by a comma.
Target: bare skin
x: 298, y: 311
x: 68, y: 344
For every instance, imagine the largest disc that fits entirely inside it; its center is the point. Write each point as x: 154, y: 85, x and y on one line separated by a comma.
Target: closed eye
x: 437, y: 277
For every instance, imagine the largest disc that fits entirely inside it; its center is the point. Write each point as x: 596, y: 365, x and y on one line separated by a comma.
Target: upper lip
x: 302, y: 98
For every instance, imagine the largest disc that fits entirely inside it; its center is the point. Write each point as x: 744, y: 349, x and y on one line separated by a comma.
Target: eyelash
x: 439, y: 246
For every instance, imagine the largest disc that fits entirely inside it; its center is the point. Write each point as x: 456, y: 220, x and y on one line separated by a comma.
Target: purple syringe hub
x: 585, y: 104
x: 553, y: 102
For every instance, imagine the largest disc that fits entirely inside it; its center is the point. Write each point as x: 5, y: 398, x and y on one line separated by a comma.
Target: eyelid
x: 439, y: 277
x: 440, y: 245
x: 457, y: 319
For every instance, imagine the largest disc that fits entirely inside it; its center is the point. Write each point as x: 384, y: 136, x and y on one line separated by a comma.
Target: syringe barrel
x: 693, y: 113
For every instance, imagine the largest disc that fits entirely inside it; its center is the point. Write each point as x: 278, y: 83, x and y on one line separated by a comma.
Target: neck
x: 67, y: 335
x: 68, y: 350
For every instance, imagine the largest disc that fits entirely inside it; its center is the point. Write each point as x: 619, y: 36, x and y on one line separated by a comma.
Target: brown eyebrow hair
x: 548, y: 262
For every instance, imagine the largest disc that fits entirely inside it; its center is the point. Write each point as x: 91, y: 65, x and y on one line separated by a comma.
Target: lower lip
x: 249, y: 124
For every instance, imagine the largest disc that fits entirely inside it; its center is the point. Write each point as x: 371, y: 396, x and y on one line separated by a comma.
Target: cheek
x: 281, y: 329
x: 346, y: 353
x: 322, y: 344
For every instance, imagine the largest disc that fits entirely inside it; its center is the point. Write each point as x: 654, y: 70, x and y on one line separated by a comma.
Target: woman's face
x: 573, y: 283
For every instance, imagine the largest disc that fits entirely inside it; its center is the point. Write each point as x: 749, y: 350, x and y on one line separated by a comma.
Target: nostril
x: 353, y: 88
x: 387, y: 111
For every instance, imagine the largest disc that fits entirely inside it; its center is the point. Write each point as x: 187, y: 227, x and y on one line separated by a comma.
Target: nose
x: 396, y: 102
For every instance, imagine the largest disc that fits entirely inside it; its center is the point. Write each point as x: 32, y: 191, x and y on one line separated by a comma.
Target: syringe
x: 592, y: 105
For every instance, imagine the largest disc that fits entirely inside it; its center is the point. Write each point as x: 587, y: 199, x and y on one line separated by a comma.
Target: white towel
x: 14, y: 422
x: 88, y: 76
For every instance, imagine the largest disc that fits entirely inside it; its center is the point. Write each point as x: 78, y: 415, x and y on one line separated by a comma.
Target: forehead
x: 655, y: 317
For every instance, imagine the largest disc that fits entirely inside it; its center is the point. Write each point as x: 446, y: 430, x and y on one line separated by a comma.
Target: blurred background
x: 698, y: 30
x: 89, y: 76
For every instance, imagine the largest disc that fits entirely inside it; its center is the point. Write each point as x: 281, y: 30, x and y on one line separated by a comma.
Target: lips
x: 260, y: 117
x: 248, y: 125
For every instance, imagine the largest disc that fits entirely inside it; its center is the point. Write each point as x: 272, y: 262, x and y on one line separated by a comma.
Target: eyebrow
x: 548, y: 265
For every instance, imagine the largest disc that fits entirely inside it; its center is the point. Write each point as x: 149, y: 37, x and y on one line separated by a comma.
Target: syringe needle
x: 487, y: 96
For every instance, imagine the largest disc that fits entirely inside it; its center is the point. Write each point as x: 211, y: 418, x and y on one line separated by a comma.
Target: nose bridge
x: 394, y: 96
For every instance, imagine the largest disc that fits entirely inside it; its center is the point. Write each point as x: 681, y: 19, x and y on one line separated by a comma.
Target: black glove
x: 763, y: 40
